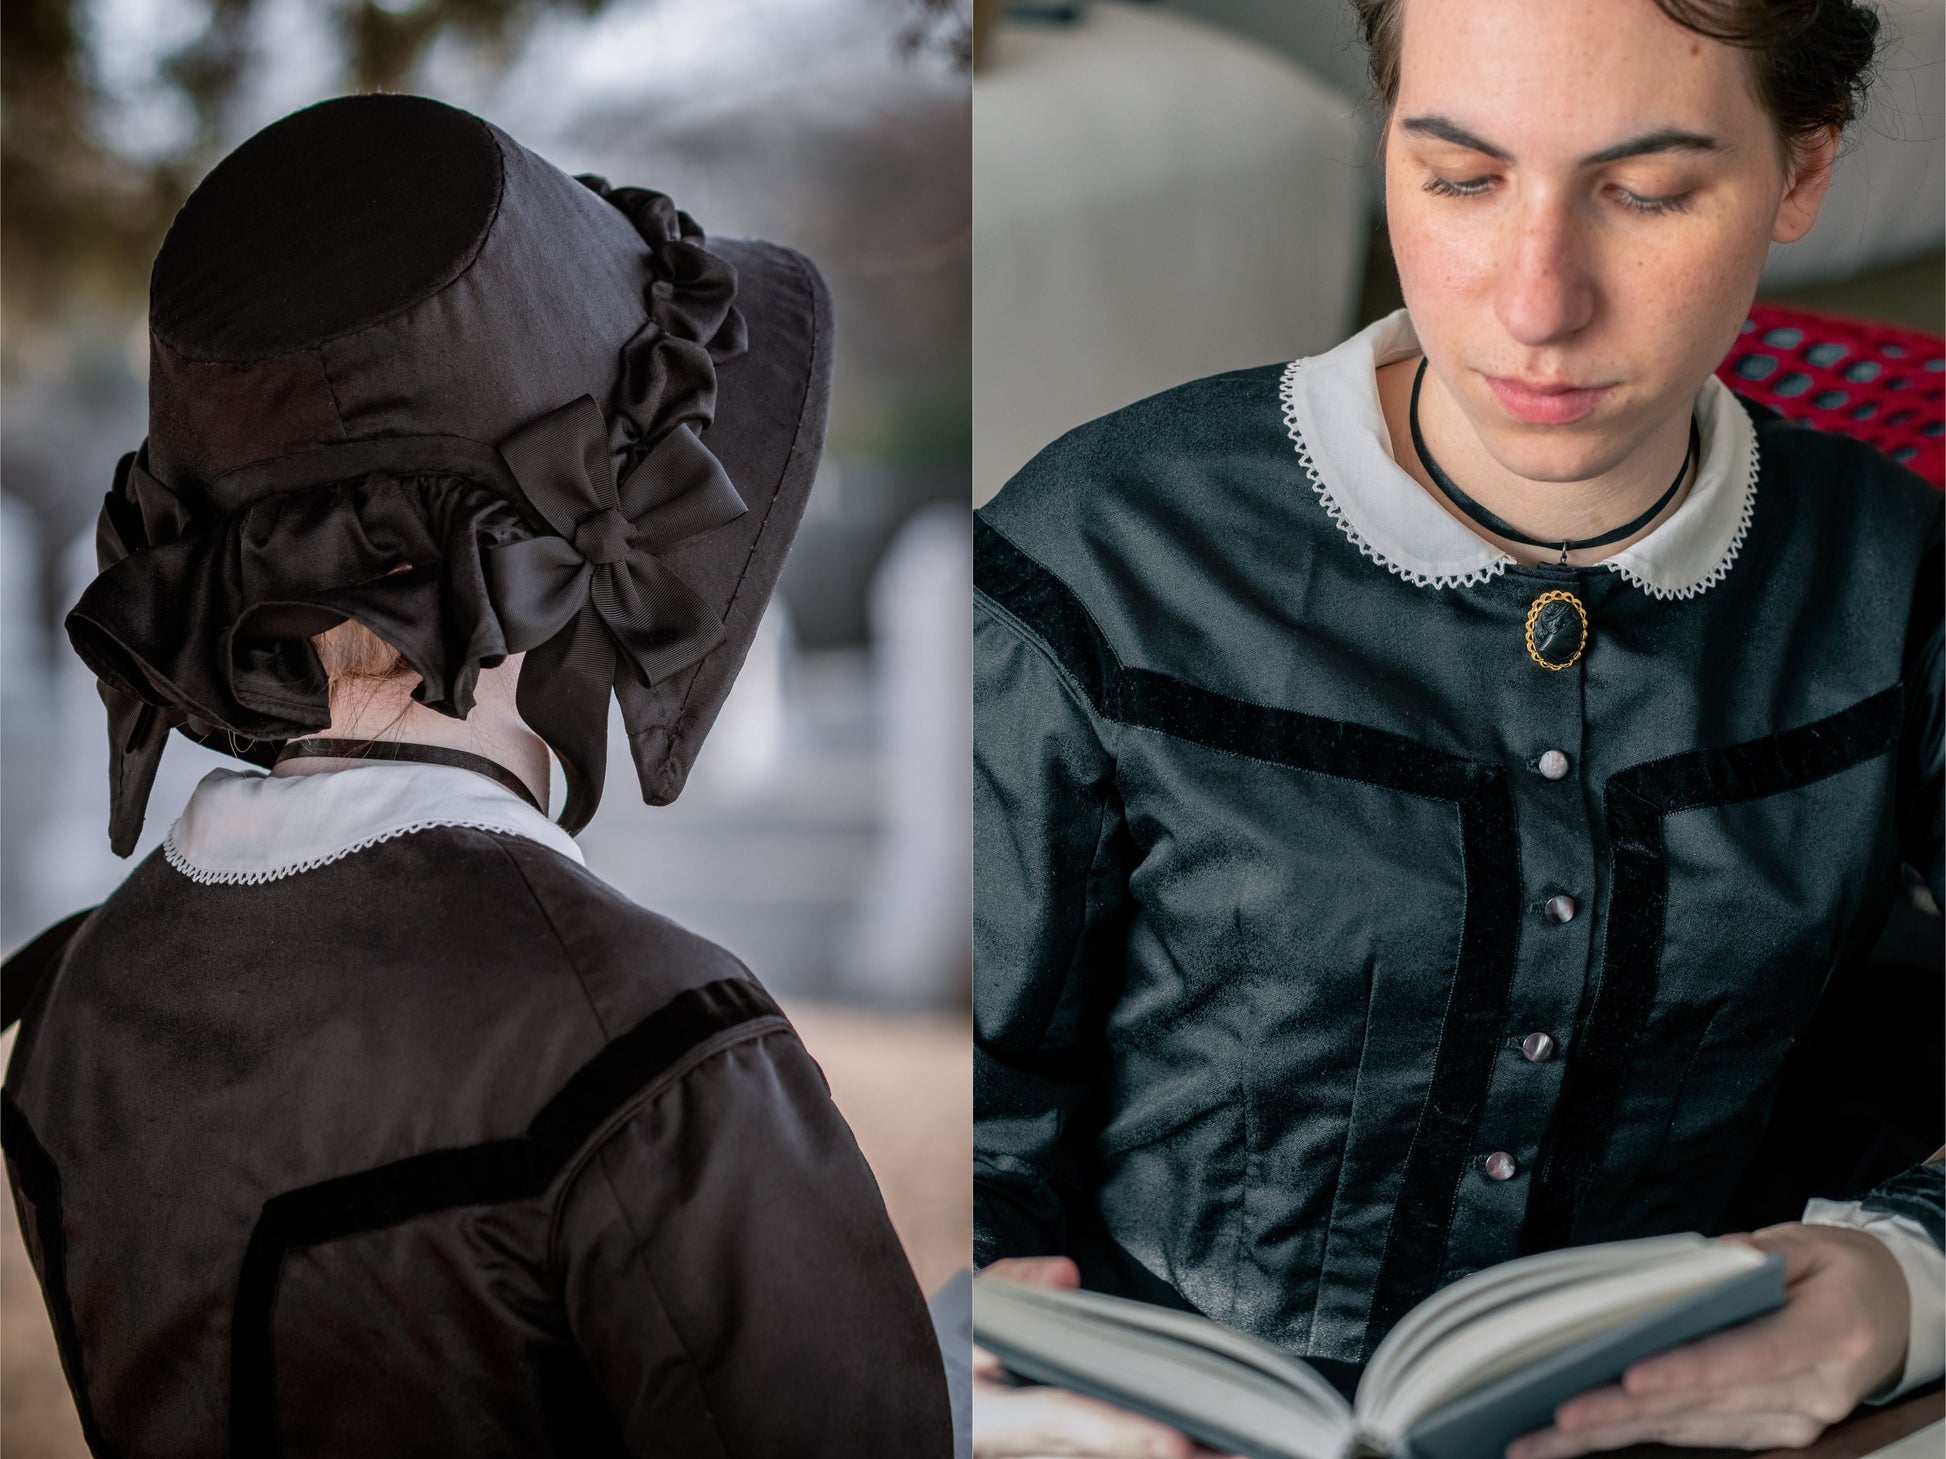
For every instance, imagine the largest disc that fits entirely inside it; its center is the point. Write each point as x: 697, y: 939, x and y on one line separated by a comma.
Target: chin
x: 1557, y: 453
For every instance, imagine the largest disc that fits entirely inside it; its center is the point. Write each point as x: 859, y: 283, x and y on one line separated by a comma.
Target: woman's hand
x: 1774, y: 1382
x: 1020, y: 1422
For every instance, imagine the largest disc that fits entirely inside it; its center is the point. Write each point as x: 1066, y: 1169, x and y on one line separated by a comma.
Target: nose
x: 1545, y: 289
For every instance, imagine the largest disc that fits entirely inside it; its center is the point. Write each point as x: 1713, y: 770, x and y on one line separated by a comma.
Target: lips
x: 1546, y: 405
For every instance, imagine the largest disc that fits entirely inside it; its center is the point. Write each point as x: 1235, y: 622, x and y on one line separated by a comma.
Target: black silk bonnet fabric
x: 404, y: 371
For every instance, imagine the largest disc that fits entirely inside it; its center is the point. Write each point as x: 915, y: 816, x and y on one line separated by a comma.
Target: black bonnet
x: 404, y: 371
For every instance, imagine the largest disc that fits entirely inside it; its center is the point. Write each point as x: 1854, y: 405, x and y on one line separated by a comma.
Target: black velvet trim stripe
x: 1928, y: 601
x: 486, y: 1174
x: 40, y: 1183
x: 1476, y: 1010
x: 1637, y: 800
x: 1043, y: 602
x: 1917, y: 1192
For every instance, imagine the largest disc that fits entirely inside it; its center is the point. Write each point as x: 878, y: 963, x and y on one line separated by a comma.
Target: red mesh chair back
x: 1879, y: 383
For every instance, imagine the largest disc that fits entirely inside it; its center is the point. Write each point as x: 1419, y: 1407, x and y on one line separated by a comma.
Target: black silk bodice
x: 446, y: 1148
x: 1271, y: 886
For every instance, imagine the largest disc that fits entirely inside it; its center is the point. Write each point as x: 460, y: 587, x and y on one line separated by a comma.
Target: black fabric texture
x: 1858, y: 1097
x: 304, y: 200
x: 772, y: 455
x: 1249, y: 807
x: 37, y: 1200
x: 1637, y: 801
x: 342, y: 458
x: 1435, y: 1156
x: 214, y: 624
x: 1922, y: 821
x: 501, y: 1170
x: 1917, y: 1192
x: 445, y: 1147
x: 23, y: 972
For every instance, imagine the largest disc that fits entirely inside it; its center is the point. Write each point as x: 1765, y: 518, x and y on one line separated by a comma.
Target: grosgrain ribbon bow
x: 594, y: 601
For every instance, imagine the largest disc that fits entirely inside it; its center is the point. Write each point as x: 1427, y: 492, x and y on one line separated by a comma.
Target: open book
x: 1472, y: 1367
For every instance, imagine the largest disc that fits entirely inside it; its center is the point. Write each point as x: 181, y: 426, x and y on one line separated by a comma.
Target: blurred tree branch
x: 72, y: 210
x: 81, y: 220
x: 940, y: 27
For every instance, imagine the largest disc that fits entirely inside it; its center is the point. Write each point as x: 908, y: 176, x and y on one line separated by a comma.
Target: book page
x: 1176, y: 1367
x: 1473, y: 1297
x: 1469, y: 1354
x: 1204, y: 1332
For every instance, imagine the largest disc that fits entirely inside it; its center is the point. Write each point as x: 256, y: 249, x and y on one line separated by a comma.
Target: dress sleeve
x: 730, y: 1275
x: 1049, y: 916
x: 1919, y: 1193
x: 1922, y: 747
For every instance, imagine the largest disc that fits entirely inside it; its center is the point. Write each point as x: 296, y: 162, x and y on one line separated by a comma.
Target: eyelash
x: 1474, y: 187
x: 1636, y: 203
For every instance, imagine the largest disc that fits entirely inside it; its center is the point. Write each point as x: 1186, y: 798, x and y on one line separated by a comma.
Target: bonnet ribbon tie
x: 595, y: 601
x: 138, y: 509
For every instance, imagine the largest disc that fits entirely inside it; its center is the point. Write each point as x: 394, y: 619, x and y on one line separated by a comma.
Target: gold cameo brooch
x: 1557, y: 630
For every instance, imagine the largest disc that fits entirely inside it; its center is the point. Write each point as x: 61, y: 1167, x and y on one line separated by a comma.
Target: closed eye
x: 1470, y: 187
x: 1637, y: 203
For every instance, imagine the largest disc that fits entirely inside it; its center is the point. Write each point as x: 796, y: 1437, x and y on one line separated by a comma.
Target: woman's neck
x: 1560, y: 511
x: 384, y: 709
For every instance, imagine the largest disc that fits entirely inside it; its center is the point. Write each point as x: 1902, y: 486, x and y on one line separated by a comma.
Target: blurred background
x: 824, y: 834
x: 1168, y: 189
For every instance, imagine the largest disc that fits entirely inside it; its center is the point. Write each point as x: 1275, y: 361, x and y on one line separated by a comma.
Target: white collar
x: 1331, y: 409
x: 242, y: 826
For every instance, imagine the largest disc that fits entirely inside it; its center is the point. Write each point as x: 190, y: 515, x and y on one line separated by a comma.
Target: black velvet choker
x: 403, y: 750
x: 1500, y: 527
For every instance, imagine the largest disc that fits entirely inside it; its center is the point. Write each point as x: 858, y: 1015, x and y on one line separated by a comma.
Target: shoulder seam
x: 591, y: 1148
x: 1007, y: 620
x: 554, y: 930
x: 1010, y: 573
x: 640, y: 1262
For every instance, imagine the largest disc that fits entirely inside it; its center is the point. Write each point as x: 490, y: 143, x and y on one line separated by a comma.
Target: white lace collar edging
x: 1332, y: 412
x: 242, y: 827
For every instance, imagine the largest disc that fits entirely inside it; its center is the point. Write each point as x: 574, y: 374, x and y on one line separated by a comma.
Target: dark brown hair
x: 1810, y: 60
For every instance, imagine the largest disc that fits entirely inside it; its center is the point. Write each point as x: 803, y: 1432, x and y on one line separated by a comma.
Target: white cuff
x: 1924, y: 1265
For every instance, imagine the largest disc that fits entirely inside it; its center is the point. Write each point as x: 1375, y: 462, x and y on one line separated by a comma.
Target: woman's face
x: 1580, y: 194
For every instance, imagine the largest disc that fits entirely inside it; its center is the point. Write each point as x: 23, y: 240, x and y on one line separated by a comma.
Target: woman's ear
x: 1813, y: 161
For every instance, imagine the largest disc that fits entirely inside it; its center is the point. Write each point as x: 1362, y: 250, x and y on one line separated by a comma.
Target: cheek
x: 1443, y: 268
x: 1688, y: 288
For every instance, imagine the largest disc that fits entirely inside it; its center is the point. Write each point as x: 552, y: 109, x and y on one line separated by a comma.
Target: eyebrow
x: 1668, y: 139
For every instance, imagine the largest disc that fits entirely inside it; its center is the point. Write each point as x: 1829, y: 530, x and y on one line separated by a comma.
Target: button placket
x: 1546, y: 775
